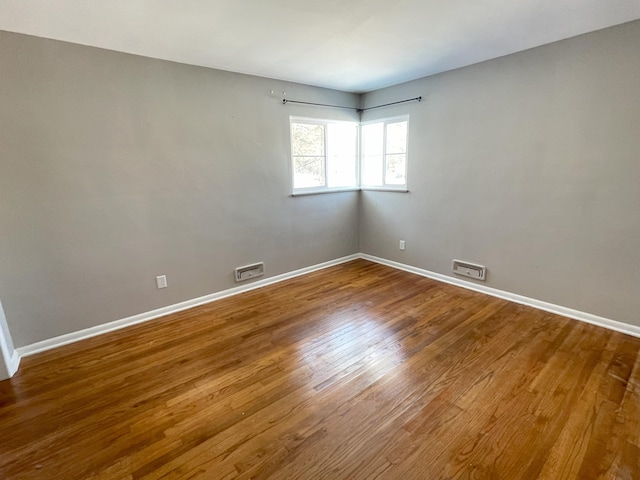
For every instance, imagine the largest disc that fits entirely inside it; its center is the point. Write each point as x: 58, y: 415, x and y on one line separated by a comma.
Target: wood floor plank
x: 358, y: 371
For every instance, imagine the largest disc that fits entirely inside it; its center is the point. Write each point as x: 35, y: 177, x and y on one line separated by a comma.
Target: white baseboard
x: 608, y: 323
x: 9, y: 357
x: 14, y: 363
x: 161, y: 312
x: 9, y: 362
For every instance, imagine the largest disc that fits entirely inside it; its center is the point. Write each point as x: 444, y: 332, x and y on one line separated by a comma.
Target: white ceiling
x: 351, y: 45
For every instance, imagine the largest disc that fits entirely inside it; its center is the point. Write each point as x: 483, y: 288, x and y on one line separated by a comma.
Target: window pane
x: 395, y: 173
x: 307, y: 139
x: 342, y: 139
x: 372, y: 170
x: 342, y: 144
x: 308, y: 172
x: 342, y: 172
x: 372, y: 142
x: 396, y: 137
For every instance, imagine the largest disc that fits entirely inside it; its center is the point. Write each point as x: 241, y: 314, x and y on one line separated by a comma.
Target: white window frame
x: 386, y: 186
x: 324, y: 188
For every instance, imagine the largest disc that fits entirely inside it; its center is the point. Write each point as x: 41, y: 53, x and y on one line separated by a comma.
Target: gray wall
x: 116, y: 168
x: 529, y: 164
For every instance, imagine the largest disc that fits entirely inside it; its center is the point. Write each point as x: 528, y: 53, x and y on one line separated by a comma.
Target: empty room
x: 320, y: 240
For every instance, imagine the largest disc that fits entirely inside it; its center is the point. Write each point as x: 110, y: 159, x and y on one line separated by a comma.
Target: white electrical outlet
x: 161, y: 281
x: 402, y: 245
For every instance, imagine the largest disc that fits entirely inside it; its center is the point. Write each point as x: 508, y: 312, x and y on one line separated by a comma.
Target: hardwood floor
x: 358, y: 371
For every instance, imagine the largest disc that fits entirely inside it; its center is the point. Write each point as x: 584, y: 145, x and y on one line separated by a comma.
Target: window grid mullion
x: 384, y: 154
x: 359, y: 155
x: 326, y: 155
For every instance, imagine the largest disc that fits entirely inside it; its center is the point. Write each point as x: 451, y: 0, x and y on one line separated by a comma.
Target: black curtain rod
x: 359, y: 110
x: 415, y: 99
x: 285, y: 101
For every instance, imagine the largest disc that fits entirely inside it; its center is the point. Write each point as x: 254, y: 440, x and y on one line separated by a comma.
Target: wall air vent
x: 249, y: 271
x: 479, y: 272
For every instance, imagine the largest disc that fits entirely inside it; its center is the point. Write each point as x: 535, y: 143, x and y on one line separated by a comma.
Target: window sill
x: 349, y: 189
x: 302, y: 193
x: 386, y: 189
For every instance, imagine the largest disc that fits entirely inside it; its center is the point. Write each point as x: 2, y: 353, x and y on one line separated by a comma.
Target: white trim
x: 302, y: 193
x: 161, y: 312
x: 384, y: 189
x: 608, y: 323
x: 14, y: 363
x: 10, y: 361
x: 9, y: 357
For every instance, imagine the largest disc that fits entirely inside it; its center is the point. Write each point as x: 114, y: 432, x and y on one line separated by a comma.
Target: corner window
x: 324, y: 155
x: 328, y: 155
x: 384, y: 153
